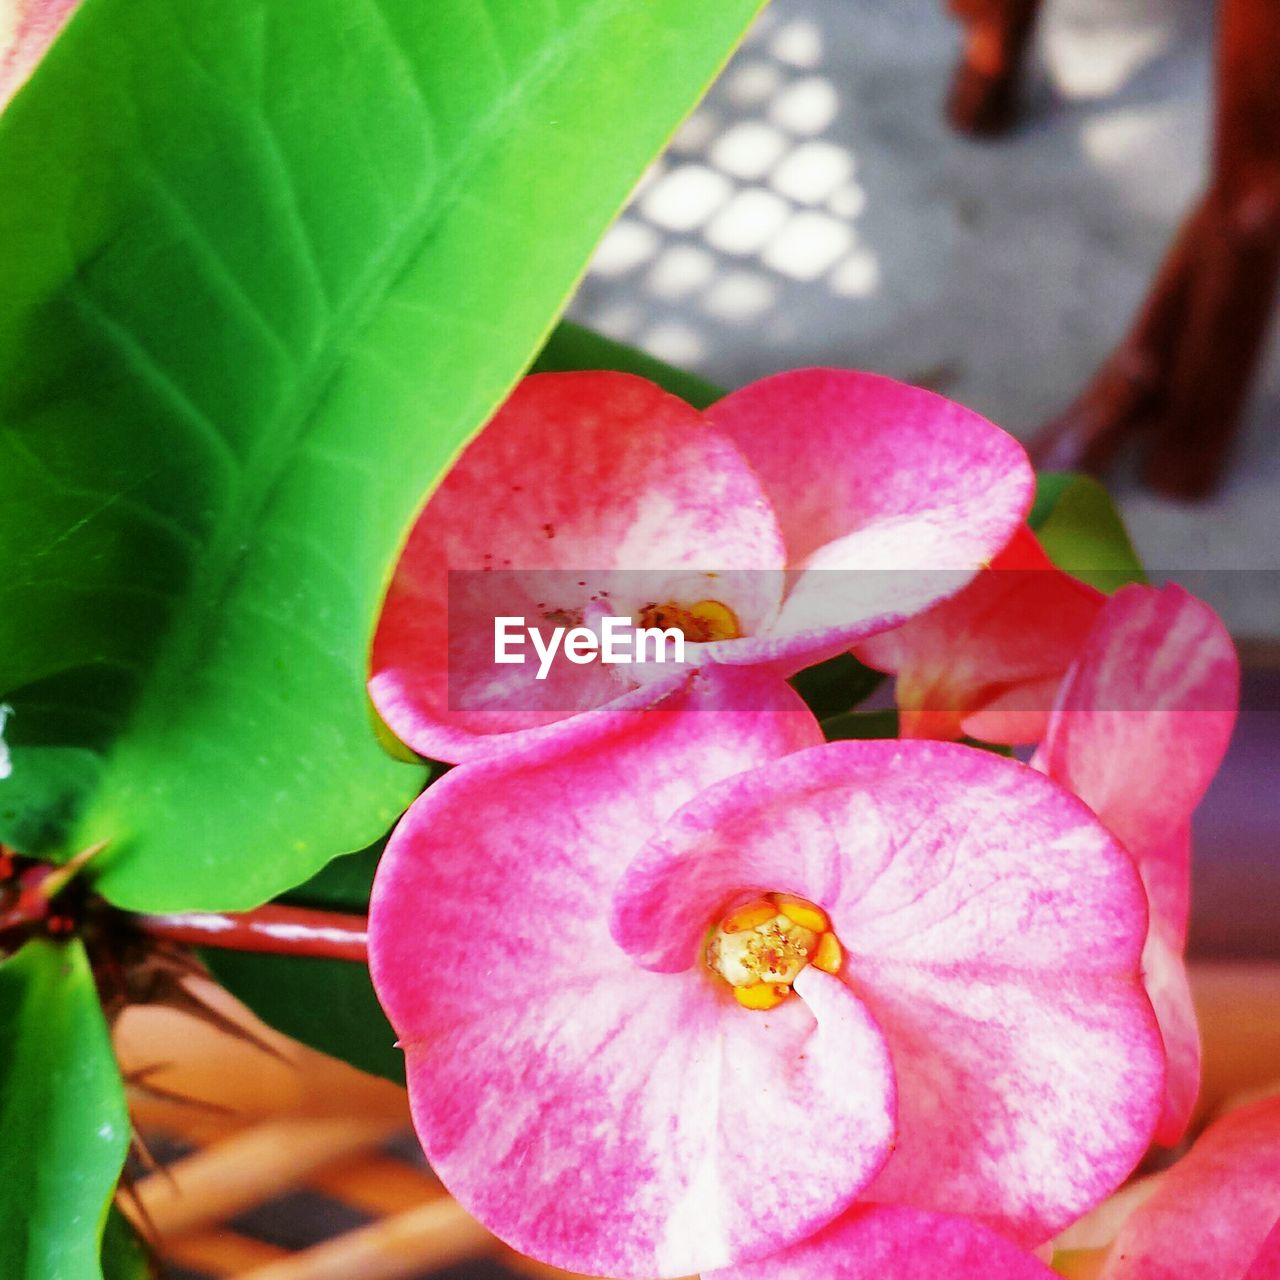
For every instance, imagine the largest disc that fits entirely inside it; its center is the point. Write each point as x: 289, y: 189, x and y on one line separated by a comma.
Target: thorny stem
x: 274, y: 929
x: 28, y: 890
x: 32, y: 900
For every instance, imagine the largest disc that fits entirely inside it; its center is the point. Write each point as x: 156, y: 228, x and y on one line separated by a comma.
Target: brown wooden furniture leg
x: 1126, y: 394
x: 1183, y: 372
x: 1238, y: 263
x: 984, y: 94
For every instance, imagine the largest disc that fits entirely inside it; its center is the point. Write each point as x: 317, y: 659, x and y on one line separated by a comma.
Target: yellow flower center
x: 760, y: 948
x: 701, y: 622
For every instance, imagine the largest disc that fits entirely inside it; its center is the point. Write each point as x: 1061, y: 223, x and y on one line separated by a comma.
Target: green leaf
x: 860, y: 724
x: 571, y: 347
x: 124, y: 1256
x: 1082, y: 532
x: 38, y: 802
x: 837, y: 685
x: 327, y: 1004
x: 1050, y: 486
x: 343, y: 884
x: 62, y: 1115
x: 266, y: 266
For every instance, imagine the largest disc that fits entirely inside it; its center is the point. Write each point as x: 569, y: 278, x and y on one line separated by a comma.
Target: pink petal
x: 890, y: 1242
x: 1142, y: 723
x: 594, y: 1115
x: 38, y: 25
x: 1215, y: 1213
x: 1165, y: 974
x: 1052, y: 1094
x: 1166, y: 874
x: 1266, y: 1266
x: 1019, y: 715
x: 903, y: 492
x: 991, y: 658
x: 1145, y: 716
x: 992, y: 926
x: 583, y: 485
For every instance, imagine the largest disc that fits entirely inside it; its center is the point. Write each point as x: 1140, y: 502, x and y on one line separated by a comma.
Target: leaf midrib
x: 213, y: 580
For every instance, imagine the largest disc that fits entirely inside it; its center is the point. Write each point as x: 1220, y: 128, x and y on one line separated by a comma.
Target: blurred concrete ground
x: 817, y: 209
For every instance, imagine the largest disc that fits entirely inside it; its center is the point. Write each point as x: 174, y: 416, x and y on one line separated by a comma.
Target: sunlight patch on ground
x: 746, y: 202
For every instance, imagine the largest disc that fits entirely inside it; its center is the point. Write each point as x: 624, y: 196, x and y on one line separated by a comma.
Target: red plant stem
x: 277, y: 930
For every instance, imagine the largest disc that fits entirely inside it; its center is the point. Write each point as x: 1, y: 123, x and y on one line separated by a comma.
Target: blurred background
x: 818, y: 209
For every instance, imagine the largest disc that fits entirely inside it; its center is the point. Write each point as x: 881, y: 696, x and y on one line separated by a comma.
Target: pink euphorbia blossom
x: 36, y: 24
x: 890, y: 1242
x: 793, y: 518
x: 678, y: 996
x: 1216, y: 1213
x: 988, y: 662
x: 1142, y: 722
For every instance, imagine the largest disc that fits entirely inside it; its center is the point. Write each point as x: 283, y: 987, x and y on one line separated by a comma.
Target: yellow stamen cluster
x: 761, y: 947
x: 700, y: 623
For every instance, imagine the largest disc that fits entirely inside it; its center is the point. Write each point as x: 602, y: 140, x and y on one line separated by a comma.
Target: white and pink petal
x: 584, y: 490
x: 592, y: 1114
x: 1145, y: 715
x: 889, y: 497
x: 990, y: 923
x: 37, y: 23
x: 1142, y: 723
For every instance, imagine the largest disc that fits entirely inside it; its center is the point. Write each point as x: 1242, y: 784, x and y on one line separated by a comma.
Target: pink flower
x: 1142, y: 722
x: 678, y: 995
x: 890, y: 1242
x: 38, y: 22
x: 593, y: 493
x: 1216, y: 1213
x: 988, y: 662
